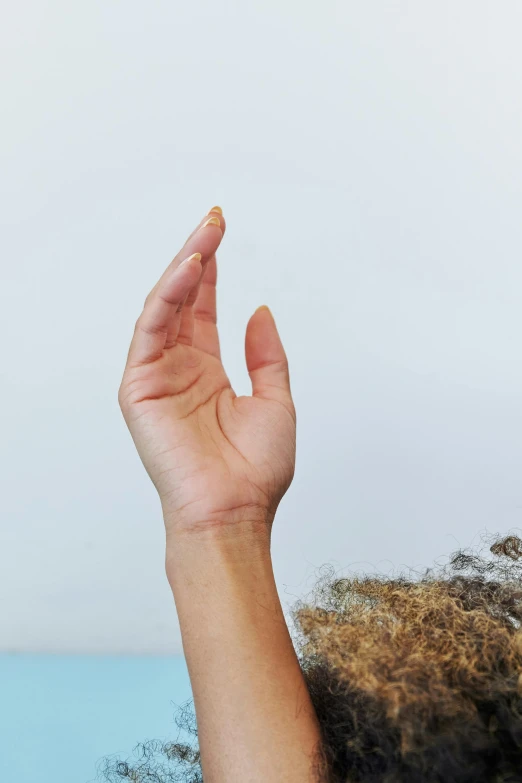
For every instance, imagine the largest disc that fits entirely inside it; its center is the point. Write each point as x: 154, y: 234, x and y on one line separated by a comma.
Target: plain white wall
x: 368, y: 158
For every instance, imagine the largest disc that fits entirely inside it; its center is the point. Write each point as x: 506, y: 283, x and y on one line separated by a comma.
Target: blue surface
x: 59, y: 715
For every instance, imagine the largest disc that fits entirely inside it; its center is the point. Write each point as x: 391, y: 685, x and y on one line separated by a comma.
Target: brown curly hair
x: 412, y: 678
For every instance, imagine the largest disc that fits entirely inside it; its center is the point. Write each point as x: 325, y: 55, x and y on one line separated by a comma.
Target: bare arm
x: 221, y: 465
x: 255, y: 720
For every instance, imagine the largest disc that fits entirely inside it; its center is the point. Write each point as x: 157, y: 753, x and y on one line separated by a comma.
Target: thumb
x: 266, y: 358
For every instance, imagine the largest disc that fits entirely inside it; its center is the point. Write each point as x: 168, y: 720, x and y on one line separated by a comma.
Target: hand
x: 216, y: 459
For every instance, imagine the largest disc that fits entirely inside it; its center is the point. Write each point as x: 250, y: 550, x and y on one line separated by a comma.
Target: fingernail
x: 194, y: 256
x: 213, y: 221
x: 216, y: 209
x: 264, y: 307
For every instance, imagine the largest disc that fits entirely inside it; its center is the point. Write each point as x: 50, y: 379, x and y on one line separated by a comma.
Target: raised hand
x: 215, y: 458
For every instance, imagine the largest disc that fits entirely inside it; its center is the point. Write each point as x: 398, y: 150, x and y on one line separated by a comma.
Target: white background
x: 368, y: 156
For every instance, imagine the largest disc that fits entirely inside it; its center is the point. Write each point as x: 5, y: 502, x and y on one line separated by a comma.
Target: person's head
x: 413, y: 679
x: 421, y: 679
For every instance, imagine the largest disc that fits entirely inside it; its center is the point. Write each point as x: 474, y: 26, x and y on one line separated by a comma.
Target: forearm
x: 255, y: 718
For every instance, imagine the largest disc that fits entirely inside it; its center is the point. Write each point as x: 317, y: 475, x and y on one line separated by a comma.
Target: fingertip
x: 193, y: 259
x: 189, y: 270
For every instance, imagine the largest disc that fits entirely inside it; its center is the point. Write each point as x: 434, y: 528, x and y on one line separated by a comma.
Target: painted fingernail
x: 194, y: 256
x: 264, y: 307
x: 213, y: 221
x: 216, y: 209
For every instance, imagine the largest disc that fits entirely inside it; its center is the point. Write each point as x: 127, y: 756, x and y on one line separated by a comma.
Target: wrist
x: 227, y: 550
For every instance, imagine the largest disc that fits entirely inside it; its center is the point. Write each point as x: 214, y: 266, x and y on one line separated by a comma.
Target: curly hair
x: 415, y: 678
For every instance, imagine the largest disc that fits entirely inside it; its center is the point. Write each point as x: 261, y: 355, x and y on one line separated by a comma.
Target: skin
x: 221, y: 464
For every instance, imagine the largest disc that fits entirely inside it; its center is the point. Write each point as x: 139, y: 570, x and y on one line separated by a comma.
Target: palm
x: 210, y: 453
